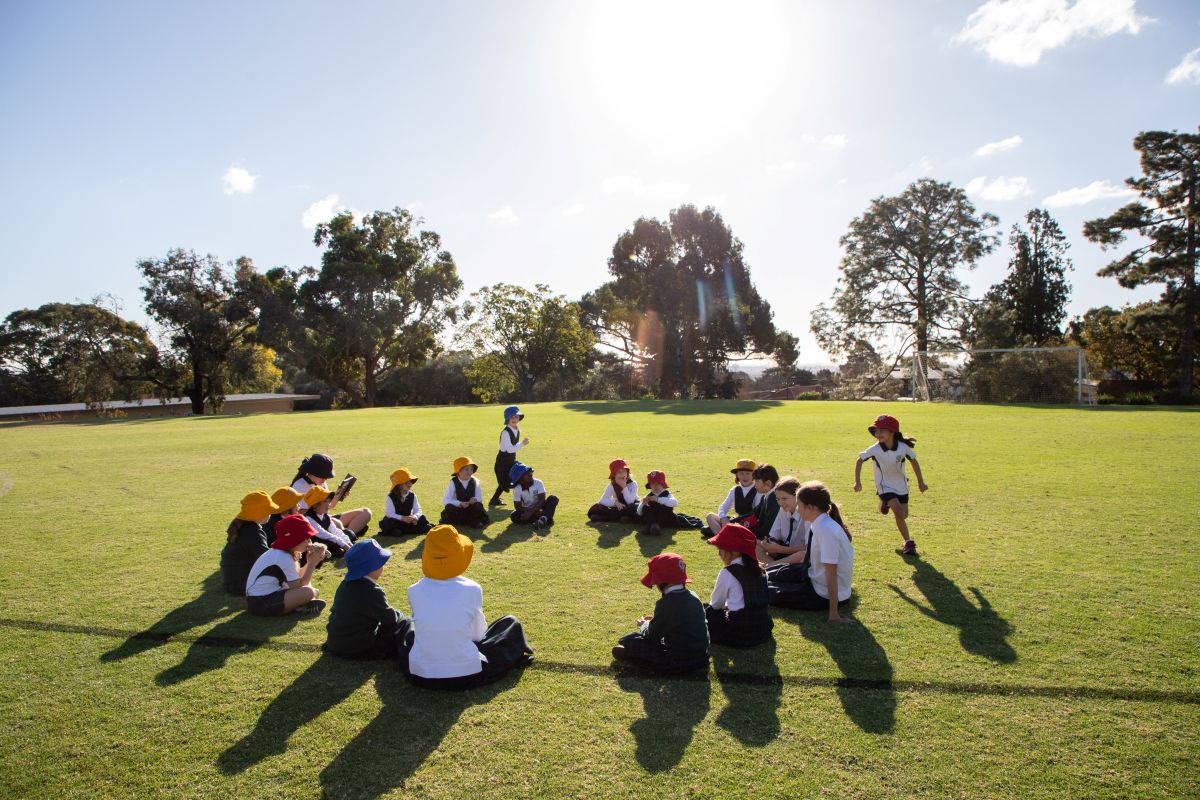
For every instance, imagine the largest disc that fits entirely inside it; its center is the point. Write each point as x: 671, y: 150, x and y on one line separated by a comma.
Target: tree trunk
x: 1187, y: 339
x: 922, y: 315
x: 196, y: 393
x: 370, y: 384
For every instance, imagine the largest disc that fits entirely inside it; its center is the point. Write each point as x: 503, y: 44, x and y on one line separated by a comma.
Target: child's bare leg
x: 357, y: 520
x: 900, y: 513
x: 294, y: 598
x: 713, y: 522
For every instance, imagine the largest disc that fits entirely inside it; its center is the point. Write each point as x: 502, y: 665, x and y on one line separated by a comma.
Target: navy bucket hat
x: 365, y: 557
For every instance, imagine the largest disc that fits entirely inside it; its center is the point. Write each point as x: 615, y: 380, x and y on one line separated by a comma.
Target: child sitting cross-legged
x: 530, y: 500
x: 362, y: 624
x: 675, y: 638
x: 402, y: 515
x: 737, y: 613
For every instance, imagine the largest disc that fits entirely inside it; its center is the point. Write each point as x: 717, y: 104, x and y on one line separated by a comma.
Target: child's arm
x: 917, y: 471
x: 858, y: 474
x: 316, y: 554
x: 723, y: 511
x: 668, y: 502
x: 831, y: 585
x: 416, y: 511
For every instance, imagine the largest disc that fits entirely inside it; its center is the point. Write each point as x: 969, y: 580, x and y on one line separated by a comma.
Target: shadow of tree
x: 244, y: 633
x: 674, y: 708
x: 752, y: 714
x: 212, y: 604
x: 981, y: 630
x: 865, y: 688
x: 684, y: 407
x: 410, y: 725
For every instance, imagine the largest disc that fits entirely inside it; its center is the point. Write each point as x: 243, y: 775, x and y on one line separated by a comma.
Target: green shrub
x: 1138, y: 399
x: 810, y: 396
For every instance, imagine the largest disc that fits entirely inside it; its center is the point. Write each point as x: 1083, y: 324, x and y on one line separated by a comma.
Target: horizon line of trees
x: 380, y: 321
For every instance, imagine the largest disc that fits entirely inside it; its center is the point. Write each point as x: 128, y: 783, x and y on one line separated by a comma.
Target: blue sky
x: 531, y: 134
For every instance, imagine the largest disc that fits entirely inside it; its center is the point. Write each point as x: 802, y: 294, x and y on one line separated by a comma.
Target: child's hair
x: 231, y: 533
x: 815, y: 493
x: 789, y: 485
x: 765, y: 472
x: 897, y: 436
x: 301, y: 471
x: 751, y: 563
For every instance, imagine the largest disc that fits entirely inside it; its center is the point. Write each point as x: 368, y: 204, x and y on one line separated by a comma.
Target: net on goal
x: 1022, y: 375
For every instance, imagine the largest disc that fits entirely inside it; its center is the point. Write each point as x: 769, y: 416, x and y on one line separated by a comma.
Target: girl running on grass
x: 888, y: 455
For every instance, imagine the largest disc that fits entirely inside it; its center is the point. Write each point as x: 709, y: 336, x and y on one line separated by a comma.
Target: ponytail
x: 815, y: 493
x: 836, y: 515
x: 909, y: 442
x: 301, y: 471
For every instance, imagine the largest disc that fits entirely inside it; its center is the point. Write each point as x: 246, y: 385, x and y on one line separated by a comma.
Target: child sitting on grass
x: 362, y: 624
x: 739, y: 503
x: 277, y: 585
x: 245, y: 541
x: 464, y: 496
x: 620, y: 499
x: 766, y: 477
x: 329, y: 530
x: 786, y: 542
x: 737, y: 612
x: 675, y: 638
x: 402, y: 515
x: 288, y: 500
x: 657, y: 508
x: 530, y: 501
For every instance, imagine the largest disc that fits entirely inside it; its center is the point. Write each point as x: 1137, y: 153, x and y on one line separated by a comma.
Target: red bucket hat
x: 615, y: 465
x: 657, y: 476
x: 737, y: 538
x: 888, y: 423
x: 291, y: 531
x: 665, y: 568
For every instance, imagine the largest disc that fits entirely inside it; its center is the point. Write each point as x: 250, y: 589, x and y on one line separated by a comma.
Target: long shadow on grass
x: 673, y: 710
x: 751, y: 715
x: 410, y: 725
x: 212, y: 604
x: 245, y: 633
x: 865, y: 687
x: 981, y: 630
x: 683, y: 407
x: 610, y: 534
x: 510, y: 535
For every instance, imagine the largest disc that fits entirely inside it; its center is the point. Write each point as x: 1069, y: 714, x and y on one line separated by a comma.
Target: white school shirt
x: 830, y: 545
x: 260, y: 585
x: 390, y: 507
x: 785, y: 523
x: 666, y: 502
x: 727, y: 592
x: 302, y: 486
x: 448, y: 621
x: 628, y: 496
x: 506, y: 445
x: 329, y: 534
x: 889, y: 467
x: 451, y: 499
x: 527, y: 497
x: 731, y: 499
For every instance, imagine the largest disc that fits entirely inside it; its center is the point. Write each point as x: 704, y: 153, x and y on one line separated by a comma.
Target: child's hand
x: 922, y: 486
x: 463, y: 505
x: 525, y: 440
x: 857, y: 486
x: 646, y: 618
x: 835, y: 617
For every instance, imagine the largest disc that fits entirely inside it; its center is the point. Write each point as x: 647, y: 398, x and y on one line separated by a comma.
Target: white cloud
x: 1082, y: 195
x: 415, y: 208
x: 323, y: 210
x: 238, y: 181
x: 1018, y: 31
x: 505, y: 215
x: 573, y: 210
x: 1000, y: 189
x: 1000, y: 146
x: 784, y: 168
x: 831, y: 141
x: 1188, y: 70
x: 925, y: 165
x: 630, y: 184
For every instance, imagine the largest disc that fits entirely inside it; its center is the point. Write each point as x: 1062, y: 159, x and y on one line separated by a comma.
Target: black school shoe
x: 312, y: 607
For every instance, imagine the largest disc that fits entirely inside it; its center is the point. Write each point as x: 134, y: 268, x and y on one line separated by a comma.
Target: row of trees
x: 380, y: 321
x: 902, y: 285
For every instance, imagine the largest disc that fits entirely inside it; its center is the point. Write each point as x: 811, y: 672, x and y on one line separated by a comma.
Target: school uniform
x: 403, y: 505
x: 302, y: 485
x: 740, y: 501
x: 607, y: 510
x: 452, y: 646
x: 888, y: 465
x: 765, y: 513
x: 267, y: 582
x: 663, y: 513
x: 362, y: 624
x: 510, y: 445
x: 269, y: 528
x: 524, y: 498
x: 789, y: 530
x: 456, y: 492
x: 333, y: 538
x: 675, y: 639
x: 737, y: 612
x: 803, y: 585
x: 239, y: 554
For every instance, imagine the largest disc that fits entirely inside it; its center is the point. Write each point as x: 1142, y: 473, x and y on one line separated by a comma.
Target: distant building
x: 174, y: 407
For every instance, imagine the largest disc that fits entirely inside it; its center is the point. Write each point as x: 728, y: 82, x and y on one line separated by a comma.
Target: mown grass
x: 1044, y: 645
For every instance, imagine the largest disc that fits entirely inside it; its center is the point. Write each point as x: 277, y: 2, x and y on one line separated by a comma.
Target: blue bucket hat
x: 364, y: 558
x: 517, y: 470
x: 512, y: 411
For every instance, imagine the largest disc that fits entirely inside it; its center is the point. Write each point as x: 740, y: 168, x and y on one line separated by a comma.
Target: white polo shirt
x: 263, y: 580
x: 448, y: 621
x: 727, y: 592
x: 527, y: 497
x: 889, y: 467
x: 830, y: 545
x: 789, y: 530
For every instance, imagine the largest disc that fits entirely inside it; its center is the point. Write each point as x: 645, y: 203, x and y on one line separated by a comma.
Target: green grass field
x: 1044, y: 645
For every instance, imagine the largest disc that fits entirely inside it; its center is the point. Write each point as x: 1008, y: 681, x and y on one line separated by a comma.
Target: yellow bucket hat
x: 402, y: 475
x: 464, y: 461
x: 744, y: 464
x: 447, y: 553
x: 286, y: 497
x: 256, y: 505
x: 316, y: 494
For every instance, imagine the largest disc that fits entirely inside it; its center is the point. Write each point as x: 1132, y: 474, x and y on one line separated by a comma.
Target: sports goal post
x: 1013, y: 375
